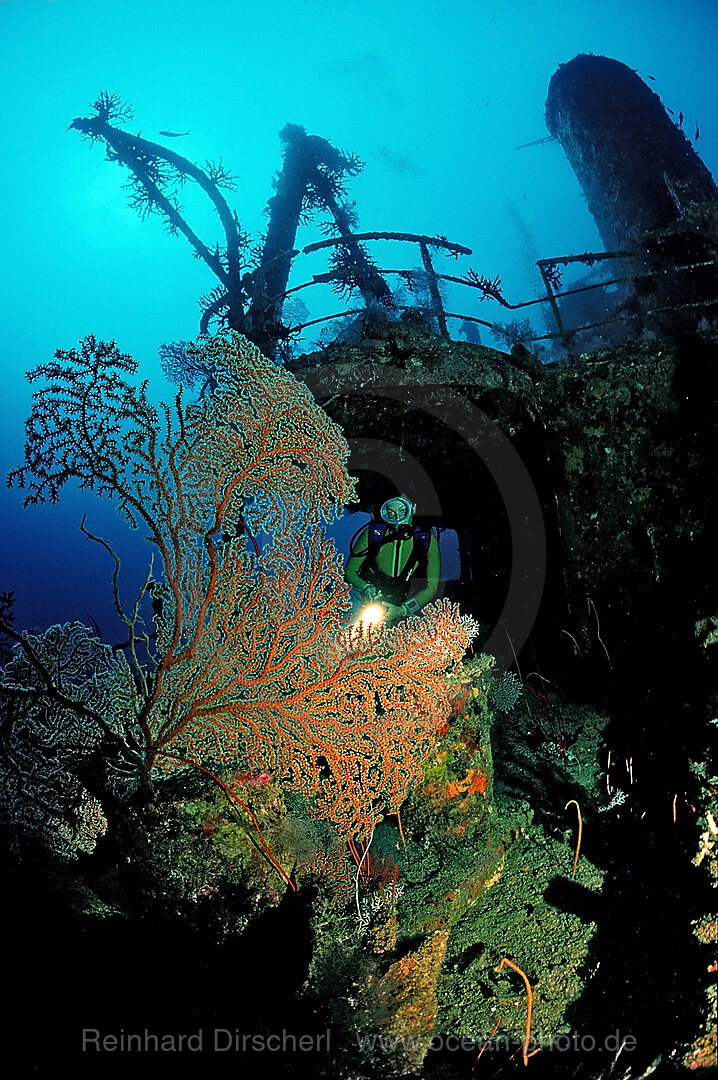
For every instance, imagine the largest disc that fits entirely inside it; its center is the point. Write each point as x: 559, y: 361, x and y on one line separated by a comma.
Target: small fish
x: 651, y: 77
x: 681, y: 118
x: 174, y: 134
x: 697, y: 135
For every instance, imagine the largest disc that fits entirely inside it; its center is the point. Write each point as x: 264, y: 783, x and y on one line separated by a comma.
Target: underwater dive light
x: 372, y: 614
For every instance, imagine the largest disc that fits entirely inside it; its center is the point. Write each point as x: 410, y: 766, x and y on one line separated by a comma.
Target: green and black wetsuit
x: 401, y: 562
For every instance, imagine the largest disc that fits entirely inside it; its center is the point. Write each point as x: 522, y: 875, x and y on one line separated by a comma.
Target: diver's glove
x: 369, y: 592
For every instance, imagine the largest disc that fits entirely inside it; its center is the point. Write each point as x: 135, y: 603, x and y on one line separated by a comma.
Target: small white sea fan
x: 506, y: 692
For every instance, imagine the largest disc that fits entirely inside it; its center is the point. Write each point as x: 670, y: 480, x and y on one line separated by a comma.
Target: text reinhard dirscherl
x: 217, y: 1040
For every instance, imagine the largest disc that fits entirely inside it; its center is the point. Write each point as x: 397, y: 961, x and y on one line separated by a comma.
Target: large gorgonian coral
x: 252, y: 661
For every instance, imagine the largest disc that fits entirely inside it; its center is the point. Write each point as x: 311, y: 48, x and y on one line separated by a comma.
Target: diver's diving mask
x: 397, y: 511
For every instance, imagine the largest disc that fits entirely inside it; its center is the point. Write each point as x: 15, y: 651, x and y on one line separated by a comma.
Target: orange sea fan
x: 254, y: 665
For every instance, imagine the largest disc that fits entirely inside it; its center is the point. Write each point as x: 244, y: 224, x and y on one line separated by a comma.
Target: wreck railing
x: 550, y: 274
x: 424, y: 243
x: 550, y: 270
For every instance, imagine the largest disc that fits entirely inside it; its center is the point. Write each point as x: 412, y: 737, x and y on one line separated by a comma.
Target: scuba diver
x: 395, y: 562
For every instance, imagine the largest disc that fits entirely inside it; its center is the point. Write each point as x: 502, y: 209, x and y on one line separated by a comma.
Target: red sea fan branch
x: 254, y: 663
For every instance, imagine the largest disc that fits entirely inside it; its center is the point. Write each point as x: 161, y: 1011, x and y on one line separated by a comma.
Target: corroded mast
x: 635, y: 165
